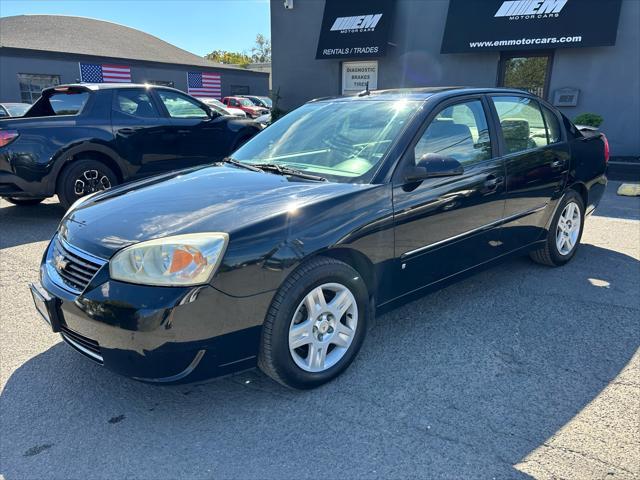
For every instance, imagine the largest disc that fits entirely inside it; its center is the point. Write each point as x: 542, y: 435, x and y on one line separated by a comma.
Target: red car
x: 245, y: 105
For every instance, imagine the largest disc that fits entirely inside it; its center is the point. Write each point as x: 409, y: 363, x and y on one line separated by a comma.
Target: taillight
x: 7, y: 136
x: 606, y: 148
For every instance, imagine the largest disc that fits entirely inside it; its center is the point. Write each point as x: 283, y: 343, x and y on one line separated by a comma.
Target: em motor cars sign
x: 357, y: 75
x: 355, y: 28
x: 529, y: 24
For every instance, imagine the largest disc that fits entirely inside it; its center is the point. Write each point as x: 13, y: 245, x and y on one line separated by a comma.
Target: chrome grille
x: 74, y: 267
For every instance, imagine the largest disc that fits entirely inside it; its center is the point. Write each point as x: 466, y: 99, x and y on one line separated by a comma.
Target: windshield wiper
x: 240, y: 164
x: 282, y: 170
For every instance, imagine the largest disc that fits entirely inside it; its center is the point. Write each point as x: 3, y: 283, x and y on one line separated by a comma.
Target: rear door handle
x: 126, y: 131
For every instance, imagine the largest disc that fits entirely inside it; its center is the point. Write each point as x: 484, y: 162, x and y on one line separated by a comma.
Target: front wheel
x: 564, y: 234
x: 315, y: 325
x: 84, y: 177
x: 24, y: 202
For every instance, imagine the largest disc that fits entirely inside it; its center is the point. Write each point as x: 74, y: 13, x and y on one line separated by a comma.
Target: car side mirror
x: 433, y: 165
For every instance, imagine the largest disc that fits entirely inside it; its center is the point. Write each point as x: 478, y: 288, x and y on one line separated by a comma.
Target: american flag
x: 92, y: 73
x: 201, y: 84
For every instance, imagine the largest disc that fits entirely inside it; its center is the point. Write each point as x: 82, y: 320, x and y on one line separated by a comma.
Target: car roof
x: 108, y: 86
x: 420, y: 93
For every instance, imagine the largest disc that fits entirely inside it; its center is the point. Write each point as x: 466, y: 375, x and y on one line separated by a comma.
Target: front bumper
x: 159, y: 334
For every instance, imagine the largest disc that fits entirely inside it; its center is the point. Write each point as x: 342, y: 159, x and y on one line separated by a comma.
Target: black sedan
x: 78, y: 139
x: 280, y: 255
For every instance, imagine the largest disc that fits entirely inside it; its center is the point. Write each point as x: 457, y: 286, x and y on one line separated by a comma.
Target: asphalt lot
x: 518, y: 371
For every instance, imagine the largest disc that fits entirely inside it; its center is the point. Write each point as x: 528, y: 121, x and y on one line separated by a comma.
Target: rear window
x: 68, y: 103
x: 553, y: 127
x: 59, y: 103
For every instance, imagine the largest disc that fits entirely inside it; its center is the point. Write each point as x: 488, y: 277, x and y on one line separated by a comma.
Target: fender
x: 66, y: 155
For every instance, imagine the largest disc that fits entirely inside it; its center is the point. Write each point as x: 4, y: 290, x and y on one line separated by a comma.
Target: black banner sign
x: 355, y: 28
x: 478, y: 25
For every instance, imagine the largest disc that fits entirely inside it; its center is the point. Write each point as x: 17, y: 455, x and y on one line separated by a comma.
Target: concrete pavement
x: 518, y: 371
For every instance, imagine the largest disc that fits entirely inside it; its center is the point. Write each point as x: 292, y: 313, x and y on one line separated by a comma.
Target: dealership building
x: 581, y: 55
x: 40, y: 51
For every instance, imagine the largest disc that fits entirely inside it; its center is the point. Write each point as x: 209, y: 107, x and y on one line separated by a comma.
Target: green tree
x: 231, y: 58
x: 261, y: 51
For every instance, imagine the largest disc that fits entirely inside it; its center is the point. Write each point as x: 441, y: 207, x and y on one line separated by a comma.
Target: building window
x: 31, y: 85
x: 529, y: 72
x: 162, y: 83
x: 239, y: 90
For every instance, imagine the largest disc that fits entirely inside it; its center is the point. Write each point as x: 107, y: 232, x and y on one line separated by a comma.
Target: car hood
x: 221, y: 198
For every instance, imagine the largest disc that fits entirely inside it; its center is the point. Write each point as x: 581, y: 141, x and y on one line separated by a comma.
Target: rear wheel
x: 24, y: 202
x: 315, y: 325
x: 84, y: 177
x: 564, y: 234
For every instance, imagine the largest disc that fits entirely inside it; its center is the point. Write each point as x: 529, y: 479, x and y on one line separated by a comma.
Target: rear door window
x: 522, y: 125
x: 135, y: 102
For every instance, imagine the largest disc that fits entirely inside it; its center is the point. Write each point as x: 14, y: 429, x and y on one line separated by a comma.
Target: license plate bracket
x: 46, y: 305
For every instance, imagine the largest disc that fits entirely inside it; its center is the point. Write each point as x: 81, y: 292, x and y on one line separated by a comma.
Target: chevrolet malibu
x: 280, y: 255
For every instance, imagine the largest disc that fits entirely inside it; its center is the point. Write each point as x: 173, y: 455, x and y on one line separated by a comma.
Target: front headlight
x: 182, y: 260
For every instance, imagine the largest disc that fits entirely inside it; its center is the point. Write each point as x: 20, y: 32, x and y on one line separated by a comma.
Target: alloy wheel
x: 90, y: 181
x: 568, y: 229
x: 323, y: 327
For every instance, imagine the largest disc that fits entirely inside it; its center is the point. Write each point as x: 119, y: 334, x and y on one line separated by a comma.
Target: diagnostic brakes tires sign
x: 355, y: 28
x: 477, y: 25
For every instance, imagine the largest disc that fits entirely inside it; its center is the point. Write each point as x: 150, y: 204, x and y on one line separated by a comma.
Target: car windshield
x: 17, y: 109
x: 245, y: 102
x: 342, y: 141
x: 267, y: 101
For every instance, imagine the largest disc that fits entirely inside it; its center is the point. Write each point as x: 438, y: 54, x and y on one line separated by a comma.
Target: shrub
x: 589, y: 119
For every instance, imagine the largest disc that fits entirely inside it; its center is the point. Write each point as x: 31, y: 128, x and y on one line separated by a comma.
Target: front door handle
x: 492, y: 182
x: 557, y: 164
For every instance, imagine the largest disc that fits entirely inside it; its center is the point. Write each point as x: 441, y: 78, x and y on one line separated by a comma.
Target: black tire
x: 24, y: 202
x: 274, y: 358
x: 93, y: 174
x: 549, y: 254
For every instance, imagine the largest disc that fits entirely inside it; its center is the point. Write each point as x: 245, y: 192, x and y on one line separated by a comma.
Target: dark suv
x: 78, y: 139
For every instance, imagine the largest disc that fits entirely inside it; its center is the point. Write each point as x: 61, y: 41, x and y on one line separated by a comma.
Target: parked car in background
x: 220, y: 107
x: 264, y: 120
x: 281, y: 255
x: 260, y: 101
x: 13, y: 109
x: 245, y: 105
x: 79, y: 139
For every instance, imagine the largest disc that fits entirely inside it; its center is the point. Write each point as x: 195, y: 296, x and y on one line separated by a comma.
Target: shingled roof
x: 87, y: 36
